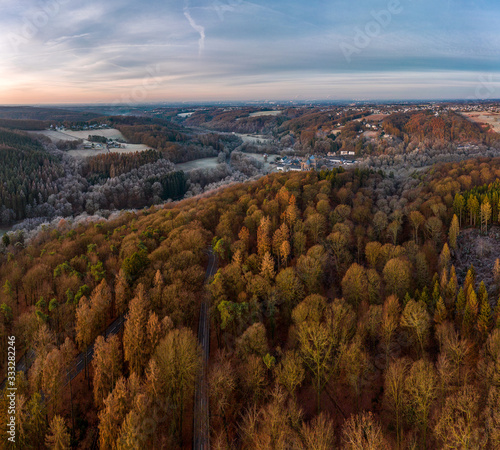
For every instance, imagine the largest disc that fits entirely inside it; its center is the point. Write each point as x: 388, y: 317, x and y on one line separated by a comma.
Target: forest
x: 340, y: 316
x: 109, y: 165
x: 237, y: 120
x: 19, y: 124
x: 178, y: 144
x: 409, y: 137
x: 64, y: 187
x: 31, y: 113
x: 447, y: 126
x: 295, y: 120
x: 40, y: 182
x: 28, y: 173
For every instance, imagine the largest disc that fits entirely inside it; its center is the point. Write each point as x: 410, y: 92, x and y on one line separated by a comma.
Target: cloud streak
x: 198, y: 28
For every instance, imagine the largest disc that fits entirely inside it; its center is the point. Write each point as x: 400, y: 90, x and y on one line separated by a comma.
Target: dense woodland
x: 64, y: 187
x: 109, y: 165
x: 447, y: 126
x: 28, y: 175
x: 30, y: 113
x: 234, y: 119
x: 177, y: 143
x: 401, y: 144
x: 295, y: 120
x: 40, y: 182
x: 401, y: 134
x: 340, y: 316
x: 18, y: 124
x: 330, y: 129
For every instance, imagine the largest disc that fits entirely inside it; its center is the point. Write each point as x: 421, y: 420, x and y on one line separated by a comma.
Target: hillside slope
x: 338, y: 318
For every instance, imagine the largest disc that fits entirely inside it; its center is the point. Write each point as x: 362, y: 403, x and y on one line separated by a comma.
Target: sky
x: 127, y: 52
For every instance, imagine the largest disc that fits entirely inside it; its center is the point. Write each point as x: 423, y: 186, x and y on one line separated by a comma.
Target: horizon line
x: 247, y: 102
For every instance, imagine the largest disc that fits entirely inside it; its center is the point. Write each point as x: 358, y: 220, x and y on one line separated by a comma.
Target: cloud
x: 198, y: 28
x: 225, y: 47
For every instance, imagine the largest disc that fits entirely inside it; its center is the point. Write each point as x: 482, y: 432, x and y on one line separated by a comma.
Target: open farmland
x: 370, y: 134
x: 55, y: 135
x: 485, y: 118
x: 253, y: 139
x: 70, y: 135
x: 265, y: 113
x: 203, y: 163
x: 126, y: 148
x: 375, y: 117
x: 110, y: 133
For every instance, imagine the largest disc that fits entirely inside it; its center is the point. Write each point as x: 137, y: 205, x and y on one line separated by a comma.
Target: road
x: 79, y: 364
x: 22, y: 365
x: 25, y: 362
x: 201, y: 425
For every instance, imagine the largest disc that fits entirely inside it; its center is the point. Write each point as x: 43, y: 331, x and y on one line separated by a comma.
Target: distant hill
x: 46, y: 114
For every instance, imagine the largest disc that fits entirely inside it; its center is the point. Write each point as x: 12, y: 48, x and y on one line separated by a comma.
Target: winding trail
x: 201, y: 424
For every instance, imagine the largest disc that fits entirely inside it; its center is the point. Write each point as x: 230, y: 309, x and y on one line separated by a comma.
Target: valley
x: 229, y: 286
